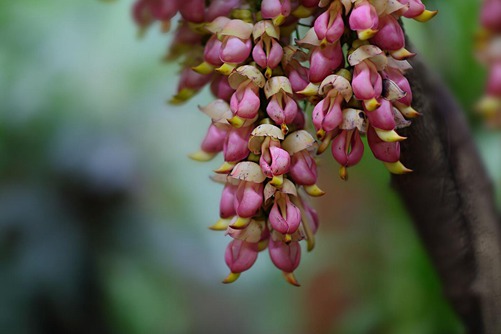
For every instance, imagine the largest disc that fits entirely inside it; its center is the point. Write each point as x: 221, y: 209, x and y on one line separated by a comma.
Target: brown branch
x: 451, y: 200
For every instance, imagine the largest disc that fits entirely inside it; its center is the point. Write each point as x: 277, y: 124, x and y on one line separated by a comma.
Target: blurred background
x: 103, y: 218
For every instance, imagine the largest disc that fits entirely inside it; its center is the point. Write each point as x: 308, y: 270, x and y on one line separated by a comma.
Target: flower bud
x: 303, y: 168
x: 329, y: 26
x: 367, y: 82
x: 237, y: 46
x: 327, y: 114
x: 235, y: 144
x: 416, y: 10
x: 324, y: 61
x: 145, y: 12
x: 277, y: 10
x: 226, y: 206
x: 221, y: 88
x: 267, y: 53
x: 348, y: 148
x: 240, y: 255
x: 190, y: 83
x: 382, y: 117
x: 248, y: 199
x: 364, y: 19
x: 245, y: 101
x: 285, y: 257
x: 234, y: 50
x: 218, y: 8
x: 386, y: 152
x: 390, y: 35
x: 192, y: 10
x: 274, y: 161
x: 284, y: 217
x: 212, y: 51
x: 214, y: 139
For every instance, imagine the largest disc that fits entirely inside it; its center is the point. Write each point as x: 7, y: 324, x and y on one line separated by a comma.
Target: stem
x: 451, y: 200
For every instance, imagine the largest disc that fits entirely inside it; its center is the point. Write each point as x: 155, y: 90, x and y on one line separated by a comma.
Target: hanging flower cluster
x: 346, y: 76
x: 489, y: 53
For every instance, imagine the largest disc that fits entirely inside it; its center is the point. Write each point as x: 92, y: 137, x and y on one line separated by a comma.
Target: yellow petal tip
x: 397, y: 168
x: 426, y: 15
x: 372, y: 104
x: 232, y: 277
x: 202, y: 156
x: 314, y: 190
x: 289, y: 277
x: 203, y: 68
x: 226, y: 167
x: 389, y: 136
x: 221, y: 225
x: 366, y: 34
x: 240, y: 223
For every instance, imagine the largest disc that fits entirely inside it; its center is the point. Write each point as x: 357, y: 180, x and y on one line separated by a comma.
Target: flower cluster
x: 345, y: 76
x: 489, y: 53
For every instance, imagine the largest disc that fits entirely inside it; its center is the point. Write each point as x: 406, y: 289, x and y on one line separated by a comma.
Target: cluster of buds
x: 489, y: 53
x: 347, y: 73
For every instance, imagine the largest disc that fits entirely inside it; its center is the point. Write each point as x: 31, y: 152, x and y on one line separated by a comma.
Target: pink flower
x: 214, y: 139
x: 364, y: 19
x: 219, y: 8
x: 248, y: 199
x: 276, y: 9
x: 382, y: 117
x: 327, y: 114
x: 285, y: 257
x: 303, y: 168
x: 235, y: 144
x: 390, y: 35
x: 282, y: 109
x: 190, y: 83
x: 284, y: 217
x: 240, y: 255
x: 329, y: 26
x: 226, y: 206
x: 192, y: 10
x: 245, y: 101
x: 146, y: 11
x: 297, y: 74
x: 324, y: 61
x: 185, y: 35
x: 221, y: 88
x: 386, y: 152
x: 235, y: 50
x: 367, y: 83
x: 212, y: 51
x: 237, y: 46
x: 274, y: 161
x: 267, y: 53
x: 348, y: 148
x: 192, y: 80
x: 416, y: 10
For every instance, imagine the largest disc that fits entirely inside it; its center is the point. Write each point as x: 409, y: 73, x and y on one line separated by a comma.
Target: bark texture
x: 451, y: 200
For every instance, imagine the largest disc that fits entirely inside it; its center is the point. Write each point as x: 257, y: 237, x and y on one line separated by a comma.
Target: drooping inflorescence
x: 489, y: 53
x: 278, y: 68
